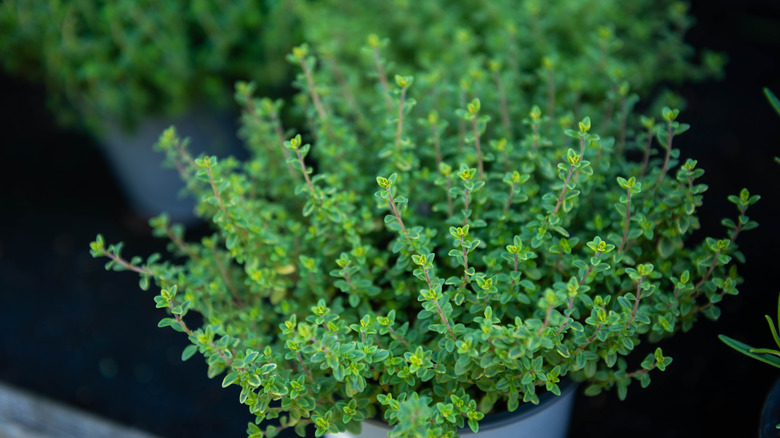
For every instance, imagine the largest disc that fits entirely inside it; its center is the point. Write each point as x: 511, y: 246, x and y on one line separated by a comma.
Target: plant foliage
x: 427, y: 249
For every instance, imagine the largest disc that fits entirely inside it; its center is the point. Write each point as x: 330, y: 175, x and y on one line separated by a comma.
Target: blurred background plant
x: 641, y: 42
x: 128, y: 59
x: 126, y: 70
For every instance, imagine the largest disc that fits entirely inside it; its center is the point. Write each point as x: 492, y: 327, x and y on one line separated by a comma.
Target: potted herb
x: 428, y: 250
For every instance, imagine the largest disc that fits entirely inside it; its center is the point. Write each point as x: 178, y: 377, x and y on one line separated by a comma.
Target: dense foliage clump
x: 426, y: 249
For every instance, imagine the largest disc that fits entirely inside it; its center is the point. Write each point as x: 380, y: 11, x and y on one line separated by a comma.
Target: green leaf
x: 229, y: 379
x: 747, y: 350
x: 772, y: 329
x: 622, y: 390
x: 188, y: 352
x: 267, y: 368
x: 772, y: 99
x: 167, y: 322
x: 308, y: 208
x: 666, y: 247
x: 593, y: 390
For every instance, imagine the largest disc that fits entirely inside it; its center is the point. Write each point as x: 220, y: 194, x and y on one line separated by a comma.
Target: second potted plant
x: 125, y: 70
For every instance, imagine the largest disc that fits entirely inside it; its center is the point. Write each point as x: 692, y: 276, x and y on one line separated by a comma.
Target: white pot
x: 549, y: 419
x: 150, y: 188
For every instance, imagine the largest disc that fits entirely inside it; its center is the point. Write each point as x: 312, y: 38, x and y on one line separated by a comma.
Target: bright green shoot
x: 775, y: 102
x: 766, y: 355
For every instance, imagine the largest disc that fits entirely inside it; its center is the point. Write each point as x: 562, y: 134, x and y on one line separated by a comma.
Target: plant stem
x: 563, y: 191
x: 628, y: 219
x: 609, y: 112
x: 666, y: 159
x: 280, y: 141
x: 382, y: 79
x: 461, y: 125
x: 465, y: 264
x: 535, y: 146
x: 436, y: 144
x: 516, y: 269
x: 399, y: 337
x: 640, y: 372
x: 224, y: 275
x: 568, y: 316
x: 480, y: 166
x: 305, y: 172
x: 590, y: 339
x: 509, y: 198
x: 571, y: 300
x: 438, y: 308
x: 305, y: 370
x: 183, y: 325
x: 183, y: 171
x: 623, y: 118
x: 707, y: 275
x: 400, y: 124
x: 638, y: 297
x: 397, y: 215
x: 180, y: 244
x: 737, y: 230
x: 127, y: 264
x: 547, y: 318
x: 348, y: 95
x: 465, y: 206
x: 504, y: 106
x: 315, y: 98
x: 450, y: 207
x: 646, y: 157
x: 551, y: 93
x: 445, y: 321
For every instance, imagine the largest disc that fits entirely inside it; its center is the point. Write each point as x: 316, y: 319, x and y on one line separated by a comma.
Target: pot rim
x: 501, y: 419
x: 769, y: 411
x: 525, y: 410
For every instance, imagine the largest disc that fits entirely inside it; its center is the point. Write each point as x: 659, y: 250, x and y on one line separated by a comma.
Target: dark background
x: 71, y: 331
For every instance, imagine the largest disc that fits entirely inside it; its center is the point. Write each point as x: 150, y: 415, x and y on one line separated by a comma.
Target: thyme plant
x: 429, y: 249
